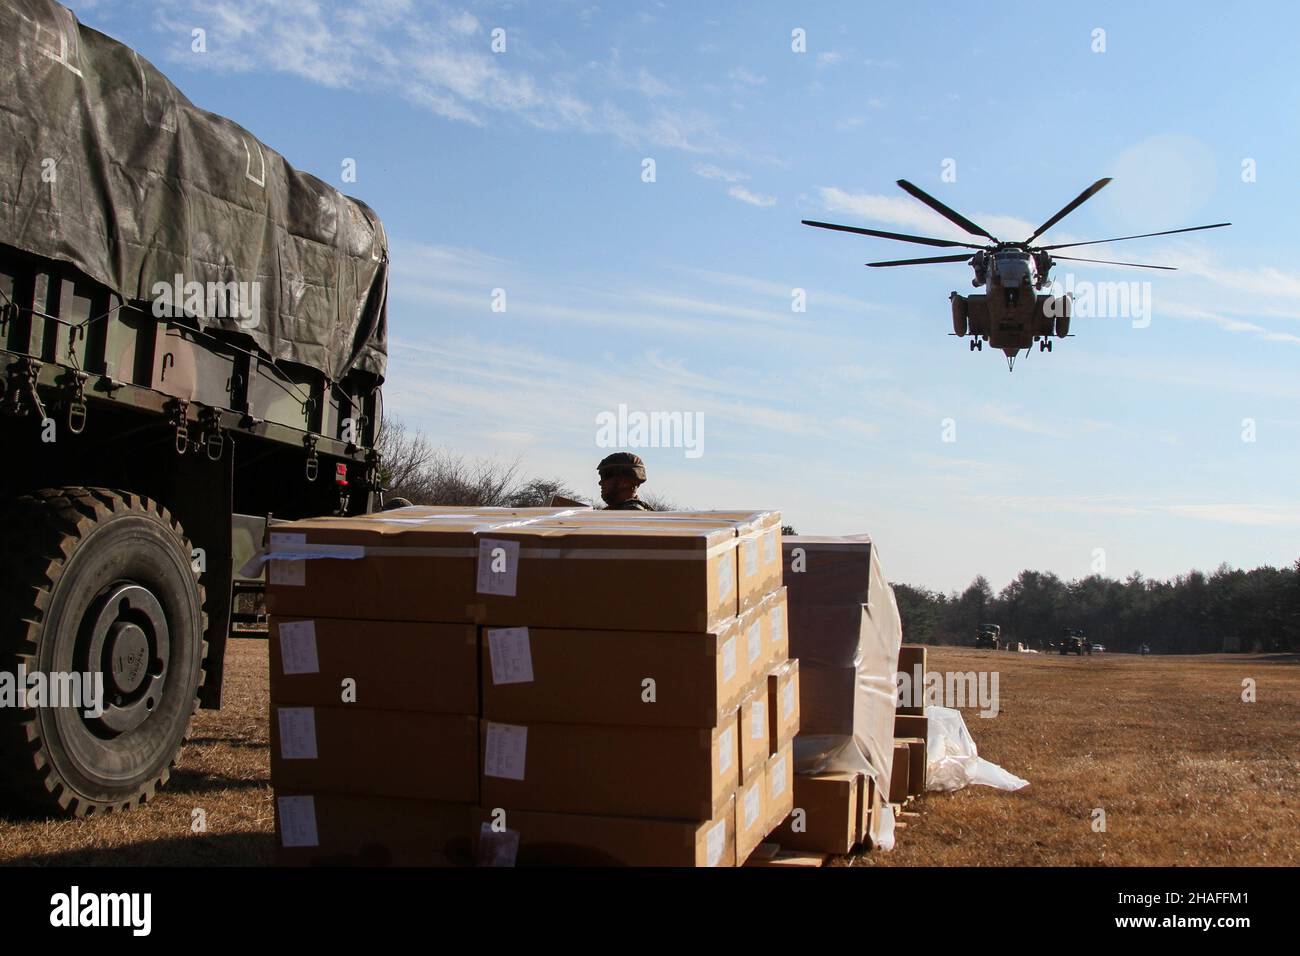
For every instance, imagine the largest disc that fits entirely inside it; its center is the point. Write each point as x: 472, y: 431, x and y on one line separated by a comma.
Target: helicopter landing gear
x: 1045, y: 345
x: 976, y: 345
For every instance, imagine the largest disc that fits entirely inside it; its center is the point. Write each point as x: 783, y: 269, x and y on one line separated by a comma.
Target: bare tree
x: 660, y: 503
x: 539, y: 492
x: 456, y: 480
x: 406, y: 456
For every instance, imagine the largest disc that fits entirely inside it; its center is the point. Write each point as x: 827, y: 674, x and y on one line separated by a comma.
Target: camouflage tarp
x: 105, y: 165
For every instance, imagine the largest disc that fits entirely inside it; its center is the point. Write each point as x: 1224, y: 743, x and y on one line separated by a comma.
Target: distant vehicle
x: 988, y: 635
x: 1144, y: 649
x: 1099, y: 648
x: 1072, y: 641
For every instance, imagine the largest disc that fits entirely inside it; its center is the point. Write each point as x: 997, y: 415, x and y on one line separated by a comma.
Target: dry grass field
x: 1186, y: 772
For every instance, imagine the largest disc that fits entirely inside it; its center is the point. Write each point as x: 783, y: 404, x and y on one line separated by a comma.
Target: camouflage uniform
x: 632, y: 504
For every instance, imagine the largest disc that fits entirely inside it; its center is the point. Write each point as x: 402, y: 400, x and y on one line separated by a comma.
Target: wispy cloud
x: 441, y: 59
x: 744, y: 77
x: 1220, y: 512
x: 908, y: 212
x: 709, y: 171
x: 753, y: 199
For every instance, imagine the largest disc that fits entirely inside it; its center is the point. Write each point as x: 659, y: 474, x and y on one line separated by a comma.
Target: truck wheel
x: 97, y: 583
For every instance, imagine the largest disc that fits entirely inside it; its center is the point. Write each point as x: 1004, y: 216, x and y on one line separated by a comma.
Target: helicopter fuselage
x: 1011, y: 315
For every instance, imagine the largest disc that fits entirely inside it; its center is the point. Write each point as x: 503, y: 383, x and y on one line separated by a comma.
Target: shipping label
x: 297, y: 733
x: 512, y: 659
x: 716, y: 842
x: 298, y: 821
x: 298, y: 647
x: 752, y: 805
x: 507, y: 746
x: 728, y: 659
x: 726, y: 747
x: 778, y: 776
x: 498, y: 566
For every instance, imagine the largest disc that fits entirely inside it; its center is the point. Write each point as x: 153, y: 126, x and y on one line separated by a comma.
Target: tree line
x: 1227, y: 610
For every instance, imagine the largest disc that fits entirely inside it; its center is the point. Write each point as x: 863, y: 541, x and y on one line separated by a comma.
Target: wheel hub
x: 129, y: 646
x: 127, y: 649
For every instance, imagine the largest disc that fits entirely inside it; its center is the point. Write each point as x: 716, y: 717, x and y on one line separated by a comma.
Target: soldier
x: 620, y: 475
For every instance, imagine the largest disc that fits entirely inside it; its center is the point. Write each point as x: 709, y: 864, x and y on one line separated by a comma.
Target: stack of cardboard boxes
x: 553, y: 686
x: 911, y: 728
x: 845, y: 631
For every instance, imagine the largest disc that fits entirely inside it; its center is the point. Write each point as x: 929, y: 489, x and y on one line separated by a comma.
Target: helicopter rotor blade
x: 1074, y: 204
x: 901, y: 237
x: 1167, y: 232
x: 962, y: 257
x: 1107, y: 262
x: 950, y: 214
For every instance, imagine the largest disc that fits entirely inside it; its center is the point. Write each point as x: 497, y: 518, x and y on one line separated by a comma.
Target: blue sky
x: 523, y: 171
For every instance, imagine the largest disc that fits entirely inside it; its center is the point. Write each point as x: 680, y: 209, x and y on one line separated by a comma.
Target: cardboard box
x: 898, y: 780
x: 380, y: 566
x: 875, y: 801
x: 912, y: 662
x: 828, y: 703
x: 758, y: 543
x: 531, y: 838
x: 907, y: 725
x: 629, y: 572
x: 825, y: 816
x: 783, y: 704
x: 915, y: 764
x: 659, y: 772
x: 759, y: 548
x: 771, y: 854
x: 830, y: 570
x: 599, y: 677
x: 755, y: 742
x: 753, y: 643
x: 776, y: 627
x: 780, y: 786
x: 332, y: 829
x: 387, y: 753
x: 759, y: 555
x: 429, y: 668
x: 621, y: 572
x: 751, y: 815
x: 862, y: 831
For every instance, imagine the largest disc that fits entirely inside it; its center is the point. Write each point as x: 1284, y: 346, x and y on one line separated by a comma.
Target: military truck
x: 1072, y: 641
x: 192, y: 340
x: 988, y: 635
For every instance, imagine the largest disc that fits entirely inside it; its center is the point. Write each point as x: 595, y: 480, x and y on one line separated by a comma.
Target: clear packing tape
x: 481, y: 522
x: 953, y: 762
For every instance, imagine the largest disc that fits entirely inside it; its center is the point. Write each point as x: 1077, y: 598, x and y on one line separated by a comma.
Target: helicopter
x: 1011, y: 315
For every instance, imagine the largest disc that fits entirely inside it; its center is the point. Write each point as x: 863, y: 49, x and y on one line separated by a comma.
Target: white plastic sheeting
x: 845, y: 630
x: 954, y: 762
